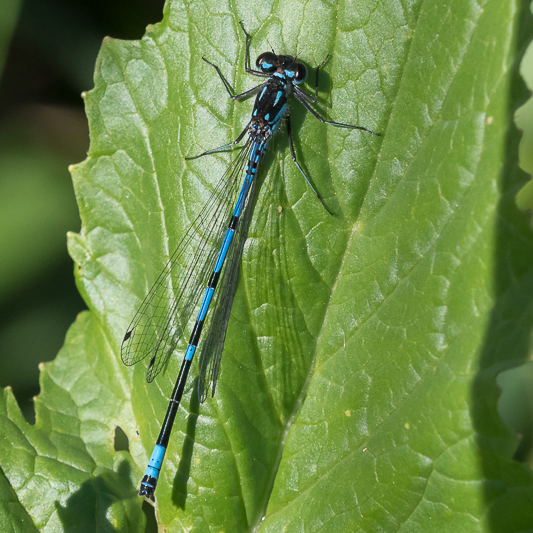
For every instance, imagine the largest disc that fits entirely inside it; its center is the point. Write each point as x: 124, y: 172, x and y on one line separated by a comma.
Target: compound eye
x: 300, y: 73
x: 267, y: 62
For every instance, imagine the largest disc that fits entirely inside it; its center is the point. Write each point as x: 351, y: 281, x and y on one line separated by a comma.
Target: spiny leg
x: 298, y: 93
x: 247, y: 67
x: 228, y: 87
x: 236, y: 141
x: 293, y: 154
x: 306, y: 96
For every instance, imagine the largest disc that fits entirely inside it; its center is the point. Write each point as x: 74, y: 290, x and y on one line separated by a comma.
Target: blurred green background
x: 48, y: 49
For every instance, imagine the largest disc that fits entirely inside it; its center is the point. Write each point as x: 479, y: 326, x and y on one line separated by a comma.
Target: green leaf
x: 13, y: 516
x: 64, y: 470
x: 357, y: 389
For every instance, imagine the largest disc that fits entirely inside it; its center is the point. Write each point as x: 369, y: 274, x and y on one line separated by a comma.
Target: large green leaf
x: 358, y: 381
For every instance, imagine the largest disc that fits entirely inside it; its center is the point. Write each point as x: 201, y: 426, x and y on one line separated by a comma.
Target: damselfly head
x: 287, y: 65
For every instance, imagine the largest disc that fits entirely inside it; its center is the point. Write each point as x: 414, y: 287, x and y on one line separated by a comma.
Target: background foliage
x: 359, y: 381
x: 49, y: 48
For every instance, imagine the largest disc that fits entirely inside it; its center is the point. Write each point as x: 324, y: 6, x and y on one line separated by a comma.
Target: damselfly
x: 211, y: 249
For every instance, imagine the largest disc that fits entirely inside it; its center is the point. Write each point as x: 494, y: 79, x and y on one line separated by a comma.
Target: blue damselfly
x: 211, y: 249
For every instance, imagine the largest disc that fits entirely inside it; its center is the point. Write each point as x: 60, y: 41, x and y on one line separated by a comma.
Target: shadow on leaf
x: 179, y: 490
x: 107, y: 502
x: 507, y: 486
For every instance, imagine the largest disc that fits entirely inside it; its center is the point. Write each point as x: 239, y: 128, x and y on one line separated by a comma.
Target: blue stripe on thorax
x: 279, y: 115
